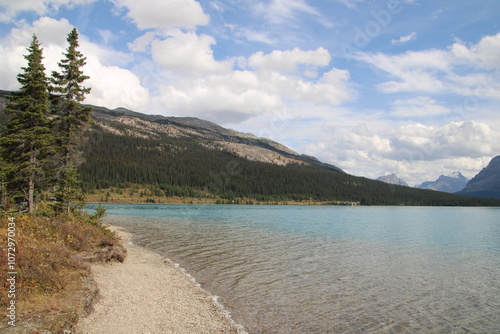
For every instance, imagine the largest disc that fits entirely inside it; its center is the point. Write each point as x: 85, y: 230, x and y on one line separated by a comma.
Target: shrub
x: 50, y: 253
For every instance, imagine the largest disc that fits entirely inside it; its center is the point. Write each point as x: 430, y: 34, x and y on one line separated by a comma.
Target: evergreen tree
x: 68, y: 189
x: 27, y: 142
x: 72, y: 119
x: 3, y: 183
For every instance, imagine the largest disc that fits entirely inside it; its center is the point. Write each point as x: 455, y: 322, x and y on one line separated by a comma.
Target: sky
x: 410, y: 87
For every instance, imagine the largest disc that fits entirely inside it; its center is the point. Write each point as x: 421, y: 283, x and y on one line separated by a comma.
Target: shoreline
x: 149, y: 294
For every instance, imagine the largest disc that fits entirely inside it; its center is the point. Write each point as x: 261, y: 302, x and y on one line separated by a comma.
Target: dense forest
x: 183, y: 166
x: 114, y: 155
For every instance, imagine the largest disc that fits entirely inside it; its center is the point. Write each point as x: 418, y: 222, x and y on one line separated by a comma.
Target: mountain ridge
x: 486, y: 183
x: 448, y: 183
x: 186, y: 157
x: 392, y: 179
x: 232, y: 140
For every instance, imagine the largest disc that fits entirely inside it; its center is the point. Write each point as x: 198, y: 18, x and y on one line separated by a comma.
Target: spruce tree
x: 72, y: 119
x: 27, y: 142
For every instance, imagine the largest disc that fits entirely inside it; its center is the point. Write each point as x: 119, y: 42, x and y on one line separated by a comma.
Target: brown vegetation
x: 53, y: 285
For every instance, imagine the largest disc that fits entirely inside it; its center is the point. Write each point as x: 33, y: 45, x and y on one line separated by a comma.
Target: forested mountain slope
x: 194, y: 158
x: 190, y: 157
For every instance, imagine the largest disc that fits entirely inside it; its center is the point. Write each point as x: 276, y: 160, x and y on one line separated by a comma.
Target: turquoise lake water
x: 334, y: 269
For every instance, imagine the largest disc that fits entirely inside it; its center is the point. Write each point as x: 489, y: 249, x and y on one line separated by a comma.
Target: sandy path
x: 147, y: 295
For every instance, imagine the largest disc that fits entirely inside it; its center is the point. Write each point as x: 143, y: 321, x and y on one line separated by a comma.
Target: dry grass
x: 53, y: 282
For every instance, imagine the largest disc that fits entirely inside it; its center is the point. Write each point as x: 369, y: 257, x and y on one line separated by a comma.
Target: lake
x: 334, y: 269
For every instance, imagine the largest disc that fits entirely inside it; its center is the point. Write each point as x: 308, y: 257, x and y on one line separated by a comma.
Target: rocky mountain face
x: 122, y: 121
x: 486, y: 183
x: 392, y: 179
x: 188, y: 157
x: 450, y: 184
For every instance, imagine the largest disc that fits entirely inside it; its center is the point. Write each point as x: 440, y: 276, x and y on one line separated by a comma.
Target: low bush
x: 51, y: 255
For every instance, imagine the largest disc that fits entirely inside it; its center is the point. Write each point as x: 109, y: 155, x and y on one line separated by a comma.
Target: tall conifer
x: 72, y: 118
x: 27, y: 141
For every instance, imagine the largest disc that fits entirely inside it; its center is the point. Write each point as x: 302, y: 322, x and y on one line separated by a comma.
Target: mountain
x: 211, y: 135
x: 450, y: 184
x: 190, y: 157
x: 127, y: 152
x: 486, y: 183
x: 392, y: 179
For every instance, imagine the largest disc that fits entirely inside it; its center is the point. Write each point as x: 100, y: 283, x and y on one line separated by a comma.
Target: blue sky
x: 375, y: 87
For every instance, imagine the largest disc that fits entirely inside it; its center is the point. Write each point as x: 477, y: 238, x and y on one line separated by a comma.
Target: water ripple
x: 335, y: 270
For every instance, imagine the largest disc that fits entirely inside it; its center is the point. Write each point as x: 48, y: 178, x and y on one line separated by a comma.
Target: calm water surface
x: 326, y: 269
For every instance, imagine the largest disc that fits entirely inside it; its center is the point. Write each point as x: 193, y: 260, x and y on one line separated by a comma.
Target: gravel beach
x: 146, y: 294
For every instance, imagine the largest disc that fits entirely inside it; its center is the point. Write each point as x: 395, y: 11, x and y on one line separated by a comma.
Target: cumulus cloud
x: 188, y: 53
x: 238, y: 95
x: 213, y: 89
x: 112, y: 86
x: 232, y: 98
x: 153, y: 14
x: 454, y: 139
x: 50, y: 32
x: 10, y: 9
x: 414, y: 151
x: 289, y: 60
x: 483, y: 54
x: 331, y: 88
x: 192, y: 82
x: 142, y: 43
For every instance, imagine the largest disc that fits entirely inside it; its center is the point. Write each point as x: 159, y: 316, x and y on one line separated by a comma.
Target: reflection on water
x: 293, y: 269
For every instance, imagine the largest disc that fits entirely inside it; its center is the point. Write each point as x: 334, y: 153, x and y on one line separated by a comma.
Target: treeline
x: 184, y: 167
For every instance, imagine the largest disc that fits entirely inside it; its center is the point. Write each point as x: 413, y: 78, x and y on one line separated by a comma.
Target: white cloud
x: 165, y: 14
x: 114, y: 87
x: 238, y: 95
x: 111, y: 86
x: 405, y: 38
x: 48, y: 30
x: 289, y: 60
x: 250, y: 35
x: 11, y: 61
x: 227, y: 98
x: 459, y: 69
x: 231, y: 96
x: 484, y: 54
x: 190, y: 54
x: 10, y: 8
x: 350, y: 3
x: 421, y: 106
x: 331, y: 88
x: 213, y: 89
x: 52, y: 35
x: 454, y: 139
x: 414, y: 151
x: 141, y: 44
x: 280, y: 11
x: 415, y: 69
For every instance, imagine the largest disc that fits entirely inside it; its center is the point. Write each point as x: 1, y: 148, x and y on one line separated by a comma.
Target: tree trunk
x: 31, y: 185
